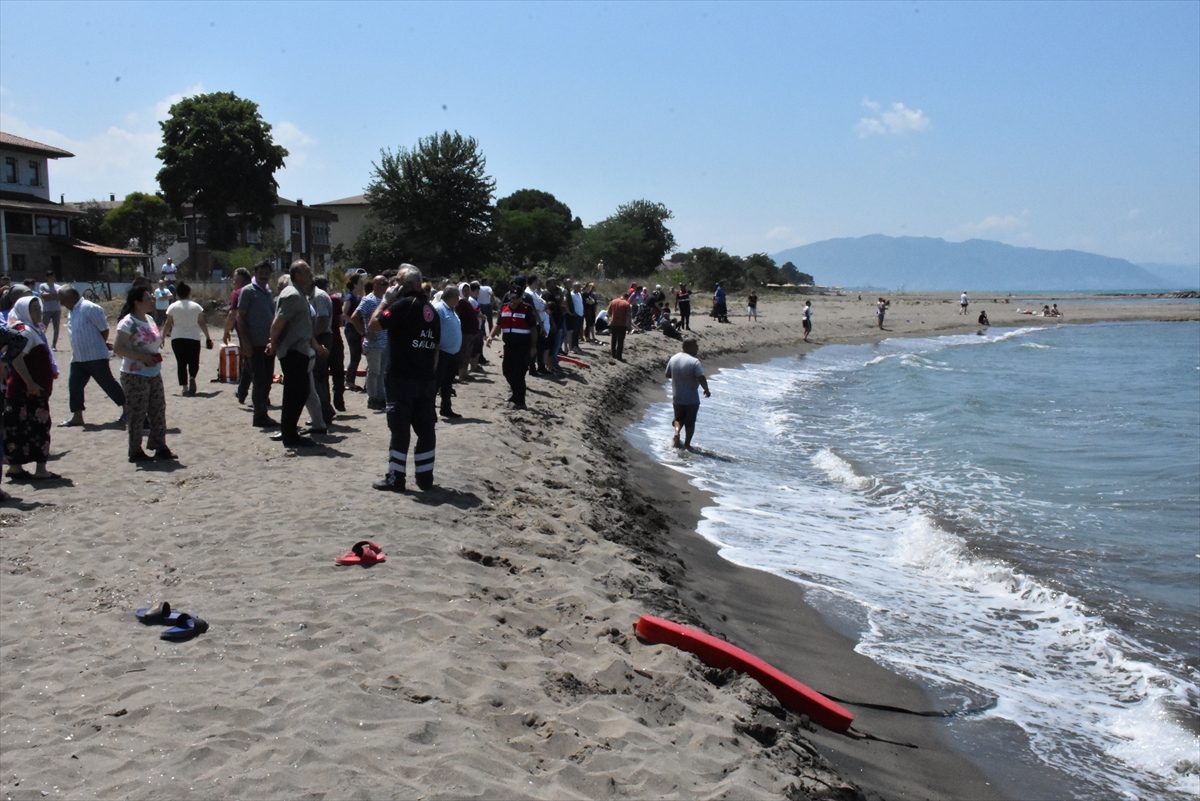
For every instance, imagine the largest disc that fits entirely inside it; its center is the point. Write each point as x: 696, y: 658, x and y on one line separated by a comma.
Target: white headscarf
x: 19, y: 319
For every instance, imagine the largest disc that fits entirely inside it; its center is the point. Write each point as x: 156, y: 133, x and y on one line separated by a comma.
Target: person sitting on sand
x: 1054, y: 312
x: 668, y: 327
x: 983, y: 318
x: 687, y: 376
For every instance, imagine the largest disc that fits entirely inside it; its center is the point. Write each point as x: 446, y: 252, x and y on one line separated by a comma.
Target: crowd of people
x: 411, y: 344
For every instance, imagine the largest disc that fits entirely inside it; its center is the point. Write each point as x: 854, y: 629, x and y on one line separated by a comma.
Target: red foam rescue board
x: 720, y: 654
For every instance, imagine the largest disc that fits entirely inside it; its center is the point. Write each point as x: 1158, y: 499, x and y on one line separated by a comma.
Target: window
x: 18, y: 263
x: 35, y: 173
x: 58, y: 227
x: 182, y: 234
x: 295, y: 224
x: 41, y: 225
x: 201, y: 230
x: 320, y: 233
x: 17, y: 223
x: 10, y: 170
x: 253, y: 237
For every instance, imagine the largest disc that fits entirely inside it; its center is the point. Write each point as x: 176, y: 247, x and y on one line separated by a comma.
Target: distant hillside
x: 922, y: 263
x: 1177, y: 276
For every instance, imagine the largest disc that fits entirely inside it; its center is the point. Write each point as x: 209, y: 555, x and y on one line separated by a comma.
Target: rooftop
x: 21, y: 143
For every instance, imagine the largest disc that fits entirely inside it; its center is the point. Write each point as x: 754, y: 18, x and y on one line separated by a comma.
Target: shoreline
x: 491, y: 655
x: 766, y: 614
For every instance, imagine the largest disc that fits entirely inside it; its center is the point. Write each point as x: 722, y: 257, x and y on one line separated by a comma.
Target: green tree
x: 439, y: 194
x: 378, y: 248
x: 533, y: 226
x: 792, y: 275
x: 142, y: 217
x: 622, y: 247
x: 651, y: 218
x: 710, y: 265
x: 89, y: 227
x: 218, y: 155
x: 760, y: 269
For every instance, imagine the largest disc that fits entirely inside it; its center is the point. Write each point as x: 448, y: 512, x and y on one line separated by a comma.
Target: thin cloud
x: 896, y: 121
x: 779, y: 232
x: 994, y: 225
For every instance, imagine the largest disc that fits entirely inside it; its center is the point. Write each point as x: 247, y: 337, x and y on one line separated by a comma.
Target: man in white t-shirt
x: 168, y: 271
x: 687, y: 378
x: 162, y: 301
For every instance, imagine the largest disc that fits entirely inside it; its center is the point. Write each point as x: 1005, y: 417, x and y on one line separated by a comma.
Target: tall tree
x: 441, y: 196
x: 533, y: 226
x: 652, y: 219
x: 143, y: 217
x: 90, y: 227
x: 218, y: 155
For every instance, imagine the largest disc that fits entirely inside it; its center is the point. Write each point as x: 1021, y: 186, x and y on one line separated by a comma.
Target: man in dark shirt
x: 256, y: 313
x: 413, y: 333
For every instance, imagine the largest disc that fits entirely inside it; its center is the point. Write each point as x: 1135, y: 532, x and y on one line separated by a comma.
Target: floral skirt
x: 27, y: 430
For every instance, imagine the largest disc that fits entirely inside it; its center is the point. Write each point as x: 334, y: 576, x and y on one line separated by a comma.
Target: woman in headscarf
x: 27, y: 396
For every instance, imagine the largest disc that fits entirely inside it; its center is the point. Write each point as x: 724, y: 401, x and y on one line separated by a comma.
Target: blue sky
x: 761, y: 125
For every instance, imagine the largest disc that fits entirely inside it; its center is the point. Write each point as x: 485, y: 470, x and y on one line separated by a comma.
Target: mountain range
x: 928, y: 264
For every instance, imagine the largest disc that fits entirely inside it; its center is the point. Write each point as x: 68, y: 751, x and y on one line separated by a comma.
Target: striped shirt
x: 367, y: 307
x: 87, y: 325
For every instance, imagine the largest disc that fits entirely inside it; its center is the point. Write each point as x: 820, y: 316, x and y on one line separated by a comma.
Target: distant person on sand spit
x: 880, y: 311
x: 687, y: 377
x: 88, y: 329
x: 983, y: 318
x: 414, y: 334
x: 138, y: 343
x: 807, y: 319
x: 962, y: 304
x: 752, y: 307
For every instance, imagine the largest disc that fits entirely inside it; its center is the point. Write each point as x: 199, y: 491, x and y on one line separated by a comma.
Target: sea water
x: 1012, y: 518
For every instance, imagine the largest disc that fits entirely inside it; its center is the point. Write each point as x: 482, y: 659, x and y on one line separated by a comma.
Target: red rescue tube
x: 575, y: 362
x: 720, y: 654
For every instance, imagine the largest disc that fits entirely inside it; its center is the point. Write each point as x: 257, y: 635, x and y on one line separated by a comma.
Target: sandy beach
x: 492, y: 654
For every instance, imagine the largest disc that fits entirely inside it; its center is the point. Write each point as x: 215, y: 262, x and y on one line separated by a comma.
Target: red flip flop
x: 365, y: 553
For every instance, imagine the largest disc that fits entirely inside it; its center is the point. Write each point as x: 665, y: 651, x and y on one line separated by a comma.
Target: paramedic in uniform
x: 413, y: 334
